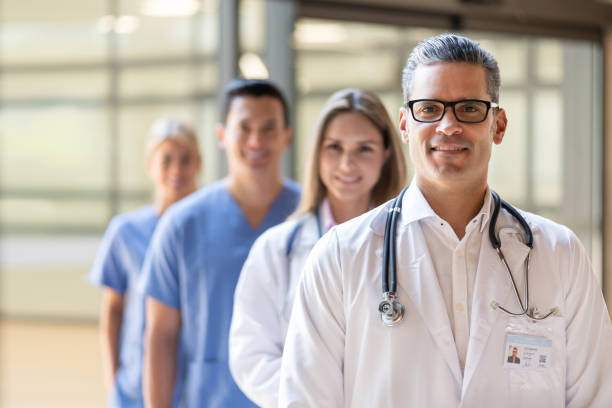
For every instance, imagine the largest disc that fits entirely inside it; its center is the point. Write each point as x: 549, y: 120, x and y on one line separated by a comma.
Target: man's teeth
x: 448, y: 149
x: 253, y: 155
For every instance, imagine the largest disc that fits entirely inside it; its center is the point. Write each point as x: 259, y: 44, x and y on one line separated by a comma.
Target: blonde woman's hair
x: 171, y: 129
x: 393, y: 173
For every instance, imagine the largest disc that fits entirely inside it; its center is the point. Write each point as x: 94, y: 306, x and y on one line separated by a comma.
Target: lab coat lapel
x: 417, y: 278
x: 493, y: 284
x: 309, y: 234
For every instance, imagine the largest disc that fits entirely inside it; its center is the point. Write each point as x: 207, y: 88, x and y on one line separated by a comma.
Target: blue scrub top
x: 117, y: 266
x: 193, y: 265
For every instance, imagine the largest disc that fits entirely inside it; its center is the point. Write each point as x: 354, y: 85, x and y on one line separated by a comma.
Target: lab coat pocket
x: 536, y: 372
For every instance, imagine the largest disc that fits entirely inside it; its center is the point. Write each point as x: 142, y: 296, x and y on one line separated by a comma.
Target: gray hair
x: 171, y: 129
x: 451, y: 48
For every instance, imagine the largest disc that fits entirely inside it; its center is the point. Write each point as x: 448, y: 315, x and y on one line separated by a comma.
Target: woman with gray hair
x: 173, y: 162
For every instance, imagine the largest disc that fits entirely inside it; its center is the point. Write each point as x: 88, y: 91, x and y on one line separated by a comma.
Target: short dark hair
x: 451, y: 48
x: 255, y: 88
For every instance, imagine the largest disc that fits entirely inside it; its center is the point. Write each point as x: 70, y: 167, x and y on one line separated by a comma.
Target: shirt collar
x: 484, y: 214
x: 325, y: 216
x: 415, y: 207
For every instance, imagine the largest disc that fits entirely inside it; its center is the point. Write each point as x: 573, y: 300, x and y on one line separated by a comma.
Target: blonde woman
x: 173, y: 162
x: 355, y: 164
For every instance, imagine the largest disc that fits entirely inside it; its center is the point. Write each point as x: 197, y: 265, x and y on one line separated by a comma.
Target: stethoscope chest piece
x: 391, y: 310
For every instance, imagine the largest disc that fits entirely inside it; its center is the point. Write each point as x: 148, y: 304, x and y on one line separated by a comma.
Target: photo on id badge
x: 525, y: 351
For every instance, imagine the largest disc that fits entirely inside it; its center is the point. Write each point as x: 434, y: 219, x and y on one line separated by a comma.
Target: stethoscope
x: 295, y: 230
x: 390, y: 308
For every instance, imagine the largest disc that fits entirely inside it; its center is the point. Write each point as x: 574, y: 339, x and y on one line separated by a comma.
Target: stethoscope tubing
x: 295, y: 231
x: 389, y: 277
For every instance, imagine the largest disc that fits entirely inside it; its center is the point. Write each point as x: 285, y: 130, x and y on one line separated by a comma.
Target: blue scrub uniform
x: 193, y: 265
x: 117, y: 266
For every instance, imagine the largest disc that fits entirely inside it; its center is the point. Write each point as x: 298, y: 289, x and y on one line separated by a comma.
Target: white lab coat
x: 339, y: 354
x: 262, y: 306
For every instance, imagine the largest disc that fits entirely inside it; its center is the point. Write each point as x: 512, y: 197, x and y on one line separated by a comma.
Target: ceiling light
x: 251, y: 66
x: 320, y: 33
x: 169, y: 8
x: 126, y: 24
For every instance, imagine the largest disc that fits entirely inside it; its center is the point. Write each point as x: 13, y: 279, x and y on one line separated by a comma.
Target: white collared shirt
x: 455, y: 262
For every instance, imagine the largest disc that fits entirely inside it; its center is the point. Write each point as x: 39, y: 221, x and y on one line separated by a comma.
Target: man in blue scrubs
x: 198, y: 249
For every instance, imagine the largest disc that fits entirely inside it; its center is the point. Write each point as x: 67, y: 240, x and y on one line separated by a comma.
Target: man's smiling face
x: 449, y: 153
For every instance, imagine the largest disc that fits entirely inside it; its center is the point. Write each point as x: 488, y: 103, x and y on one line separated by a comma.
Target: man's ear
x: 501, y: 123
x: 220, y: 131
x: 403, y: 119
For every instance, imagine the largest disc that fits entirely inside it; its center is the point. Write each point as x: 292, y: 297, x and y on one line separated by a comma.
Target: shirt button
x: 459, y: 307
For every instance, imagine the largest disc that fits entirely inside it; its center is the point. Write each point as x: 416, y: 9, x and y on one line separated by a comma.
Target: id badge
x: 528, y: 345
x: 526, y: 351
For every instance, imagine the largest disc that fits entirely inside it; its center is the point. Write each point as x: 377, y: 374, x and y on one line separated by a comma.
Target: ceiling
x: 569, y: 18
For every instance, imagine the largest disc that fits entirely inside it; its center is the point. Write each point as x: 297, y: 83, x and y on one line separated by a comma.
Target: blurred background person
x: 173, y: 162
x: 197, y: 252
x: 355, y: 163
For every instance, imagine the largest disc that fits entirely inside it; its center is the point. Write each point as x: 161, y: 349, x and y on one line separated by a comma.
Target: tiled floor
x: 49, y: 365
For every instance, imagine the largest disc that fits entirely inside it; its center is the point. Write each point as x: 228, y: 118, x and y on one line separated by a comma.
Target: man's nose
x: 449, y: 124
x: 255, y: 139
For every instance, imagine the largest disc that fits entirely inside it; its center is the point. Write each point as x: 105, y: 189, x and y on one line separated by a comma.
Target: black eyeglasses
x: 465, y: 110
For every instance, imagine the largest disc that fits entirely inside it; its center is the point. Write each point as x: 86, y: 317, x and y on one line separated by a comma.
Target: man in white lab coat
x: 450, y: 348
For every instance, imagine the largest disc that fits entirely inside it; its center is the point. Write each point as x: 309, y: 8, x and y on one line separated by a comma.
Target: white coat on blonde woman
x: 339, y: 354
x: 262, y: 306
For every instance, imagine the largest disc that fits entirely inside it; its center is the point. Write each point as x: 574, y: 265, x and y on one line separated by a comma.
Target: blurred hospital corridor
x: 81, y: 82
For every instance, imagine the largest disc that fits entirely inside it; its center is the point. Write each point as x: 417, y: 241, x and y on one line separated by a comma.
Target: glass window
x: 207, y: 117
x: 169, y: 23
x: 548, y: 148
x: 61, y: 84
x: 51, y: 32
x: 307, y: 112
x: 252, y: 23
x: 510, y: 157
x: 549, y: 60
x: 81, y: 84
x: 30, y: 213
x: 206, y: 31
x: 156, y: 81
x: 349, y: 70
x: 54, y: 147
x: 511, y: 55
